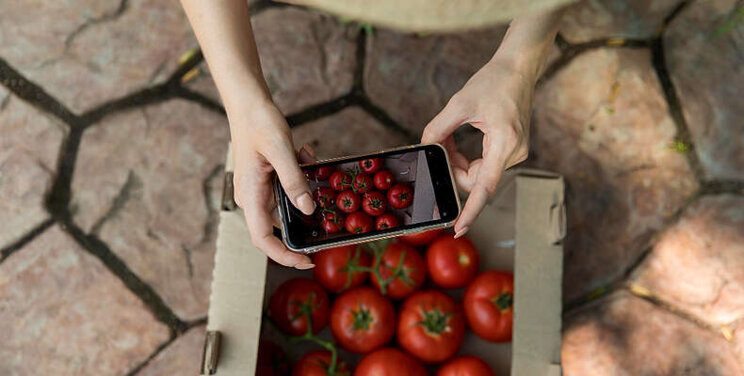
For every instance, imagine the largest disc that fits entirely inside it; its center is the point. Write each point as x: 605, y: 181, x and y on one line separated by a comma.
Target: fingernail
x: 462, y: 232
x: 304, y: 266
x: 306, y: 204
x: 309, y: 149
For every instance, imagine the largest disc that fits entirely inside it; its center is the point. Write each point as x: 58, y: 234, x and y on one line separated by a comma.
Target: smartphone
x: 373, y: 196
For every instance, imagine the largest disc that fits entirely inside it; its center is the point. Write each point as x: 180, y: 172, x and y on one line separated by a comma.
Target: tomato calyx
x: 362, y: 319
x: 434, y: 322
x: 504, y: 301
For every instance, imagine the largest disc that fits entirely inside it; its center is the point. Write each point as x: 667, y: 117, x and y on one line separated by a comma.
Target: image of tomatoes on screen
x: 370, y: 195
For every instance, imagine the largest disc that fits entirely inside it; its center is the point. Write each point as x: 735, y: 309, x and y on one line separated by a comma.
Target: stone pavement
x: 113, y: 139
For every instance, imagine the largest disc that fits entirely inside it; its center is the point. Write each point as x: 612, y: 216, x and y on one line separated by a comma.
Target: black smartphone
x: 373, y: 196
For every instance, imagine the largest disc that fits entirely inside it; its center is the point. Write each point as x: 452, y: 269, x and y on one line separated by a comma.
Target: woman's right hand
x: 262, y: 144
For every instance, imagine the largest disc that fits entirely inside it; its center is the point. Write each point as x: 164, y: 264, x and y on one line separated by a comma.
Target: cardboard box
x: 521, y: 230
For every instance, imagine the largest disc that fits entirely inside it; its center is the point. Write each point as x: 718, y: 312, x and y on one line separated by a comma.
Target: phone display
x: 372, y: 196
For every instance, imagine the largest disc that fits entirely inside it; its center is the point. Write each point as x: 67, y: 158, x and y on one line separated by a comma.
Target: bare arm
x: 261, y: 138
x: 497, y: 100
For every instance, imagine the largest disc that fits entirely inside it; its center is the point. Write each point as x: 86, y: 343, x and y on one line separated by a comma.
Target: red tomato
x: 333, y: 222
x: 340, y: 180
x: 272, y: 361
x: 452, y: 263
x: 362, y: 183
x: 386, y: 221
x: 466, y: 365
x: 374, y: 203
x: 488, y: 306
x: 383, y: 180
x: 400, y: 196
x: 288, y: 299
x: 389, y: 362
x: 323, y: 173
x: 431, y: 326
x: 330, y: 267
x: 408, y: 278
x: 348, y: 201
x: 359, y: 223
x: 370, y: 165
x: 317, y: 363
x: 325, y: 197
x: 362, y: 320
x: 421, y: 239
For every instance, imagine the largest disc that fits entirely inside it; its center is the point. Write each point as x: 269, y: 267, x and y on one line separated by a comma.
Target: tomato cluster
x: 428, y: 325
x: 360, y: 199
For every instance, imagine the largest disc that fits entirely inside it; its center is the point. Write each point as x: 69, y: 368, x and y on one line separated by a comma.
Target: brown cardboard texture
x: 521, y: 230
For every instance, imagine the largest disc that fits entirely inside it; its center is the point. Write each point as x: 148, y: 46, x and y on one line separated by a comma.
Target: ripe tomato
x: 317, y: 363
x: 383, y: 180
x: 272, y: 361
x: 421, y: 239
x: 285, y: 306
x: 374, y: 203
x: 348, y: 201
x: 333, y: 222
x: 400, y: 196
x: 362, y: 320
x: 362, y: 183
x: 340, y: 180
x: 488, y: 306
x: 359, y: 223
x: 323, y: 173
x: 431, y: 326
x: 406, y: 277
x: 325, y: 197
x: 389, y: 362
x: 452, y: 263
x: 330, y: 267
x: 370, y: 165
x: 466, y: 365
x: 386, y: 221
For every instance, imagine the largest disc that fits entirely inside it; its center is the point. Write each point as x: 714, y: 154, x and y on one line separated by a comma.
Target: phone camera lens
x: 444, y: 214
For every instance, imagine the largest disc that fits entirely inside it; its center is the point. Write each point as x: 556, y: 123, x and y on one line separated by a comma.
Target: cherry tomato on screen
x: 400, y: 196
x: 323, y: 173
x: 359, y: 223
x: 370, y: 165
x: 386, y: 221
x: 325, y: 197
x: 383, y: 180
x: 333, y: 221
x: 374, y: 203
x: 340, y: 180
x: 347, y: 201
x: 362, y: 183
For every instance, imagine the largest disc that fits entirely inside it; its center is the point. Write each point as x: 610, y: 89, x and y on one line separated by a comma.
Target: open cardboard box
x: 521, y: 230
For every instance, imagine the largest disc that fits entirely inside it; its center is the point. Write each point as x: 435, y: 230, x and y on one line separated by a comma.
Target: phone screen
x: 373, y: 195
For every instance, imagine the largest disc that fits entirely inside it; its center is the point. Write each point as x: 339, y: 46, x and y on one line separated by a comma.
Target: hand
x: 497, y: 100
x: 262, y: 144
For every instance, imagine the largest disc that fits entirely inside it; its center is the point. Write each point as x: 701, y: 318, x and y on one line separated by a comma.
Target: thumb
x: 293, y: 180
x: 446, y: 122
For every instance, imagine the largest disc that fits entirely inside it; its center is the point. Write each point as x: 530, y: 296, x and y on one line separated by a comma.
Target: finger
x: 293, y: 180
x: 306, y: 154
x: 487, y: 178
x: 465, y: 178
x: 442, y: 126
x: 259, y: 220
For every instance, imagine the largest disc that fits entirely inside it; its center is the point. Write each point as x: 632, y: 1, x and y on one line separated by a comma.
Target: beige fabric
x: 431, y: 15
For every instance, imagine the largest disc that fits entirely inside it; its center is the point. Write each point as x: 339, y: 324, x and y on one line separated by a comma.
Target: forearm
x: 223, y: 28
x: 528, y: 42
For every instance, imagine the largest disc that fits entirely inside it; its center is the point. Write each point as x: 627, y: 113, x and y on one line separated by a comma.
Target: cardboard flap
x: 540, y: 226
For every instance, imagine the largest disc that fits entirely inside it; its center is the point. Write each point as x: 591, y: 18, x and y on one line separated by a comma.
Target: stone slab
x: 182, y: 357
